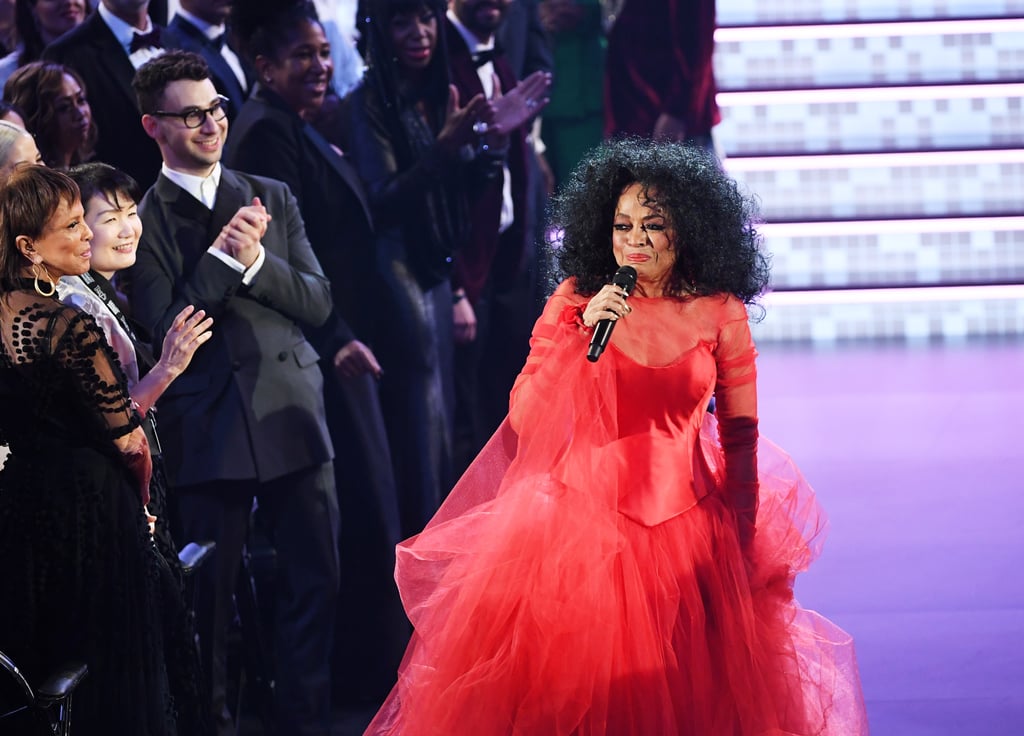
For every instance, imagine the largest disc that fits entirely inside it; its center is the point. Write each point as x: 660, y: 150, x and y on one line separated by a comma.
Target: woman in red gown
x: 619, y: 561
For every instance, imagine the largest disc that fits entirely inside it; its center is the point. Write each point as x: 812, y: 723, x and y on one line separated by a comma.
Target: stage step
x: 780, y: 12
x: 932, y: 313
x: 870, y: 54
x: 887, y: 253
x: 884, y: 185
x: 935, y: 117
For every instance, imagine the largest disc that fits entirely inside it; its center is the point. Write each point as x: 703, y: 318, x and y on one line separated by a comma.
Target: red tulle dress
x: 596, y: 571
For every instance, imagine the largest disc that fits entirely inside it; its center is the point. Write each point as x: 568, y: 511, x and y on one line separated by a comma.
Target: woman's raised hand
x: 188, y: 331
x: 609, y: 303
x: 522, y: 104
x: 461, y: 124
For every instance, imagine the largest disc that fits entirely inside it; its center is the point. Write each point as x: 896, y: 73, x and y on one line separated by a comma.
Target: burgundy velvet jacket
x: 659, y: 61
x: 474, y: 262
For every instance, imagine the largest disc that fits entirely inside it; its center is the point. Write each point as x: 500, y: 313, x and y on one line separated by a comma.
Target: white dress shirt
x: 487, y: 76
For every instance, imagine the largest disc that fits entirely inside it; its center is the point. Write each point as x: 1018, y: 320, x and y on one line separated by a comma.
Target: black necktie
x: 149, y: 40
x: 482, y: 57
x: 218, y: 41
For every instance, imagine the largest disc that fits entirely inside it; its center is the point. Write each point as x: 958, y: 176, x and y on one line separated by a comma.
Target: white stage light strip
x: 874, y: 160
x: 923, y: 294
x: 883, y: 227
x: 869, y: 94
x: 870, y: 30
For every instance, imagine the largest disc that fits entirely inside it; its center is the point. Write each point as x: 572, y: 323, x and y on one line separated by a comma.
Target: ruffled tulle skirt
x: 541, y: 611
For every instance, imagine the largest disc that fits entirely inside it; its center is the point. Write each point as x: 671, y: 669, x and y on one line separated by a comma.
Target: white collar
x: 190, y: 182
x: 122, y: 31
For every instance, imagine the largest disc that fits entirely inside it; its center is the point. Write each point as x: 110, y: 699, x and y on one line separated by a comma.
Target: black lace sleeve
x: 79, y: 346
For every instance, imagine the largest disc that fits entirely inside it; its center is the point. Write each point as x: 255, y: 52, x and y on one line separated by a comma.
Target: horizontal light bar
x: 874, y: 160
x: 869, y: 94
x: 897, y: 227
x: 869, y: 30
x: 924, y: 294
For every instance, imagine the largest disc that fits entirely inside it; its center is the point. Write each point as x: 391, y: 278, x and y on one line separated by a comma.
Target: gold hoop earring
x: 49, y: 280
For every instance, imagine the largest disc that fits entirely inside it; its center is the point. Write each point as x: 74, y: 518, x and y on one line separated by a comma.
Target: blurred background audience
x: 52, y: 101
x: 38, y: 23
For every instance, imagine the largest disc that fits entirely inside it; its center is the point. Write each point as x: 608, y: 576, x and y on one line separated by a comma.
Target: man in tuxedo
x: 200, y: 26
x: 491, y: 269
x: 105, y: 50
x: 248, y: 419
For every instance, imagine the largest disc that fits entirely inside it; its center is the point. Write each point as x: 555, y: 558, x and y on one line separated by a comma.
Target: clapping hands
x: 522, y: 104
x: 241, y: 237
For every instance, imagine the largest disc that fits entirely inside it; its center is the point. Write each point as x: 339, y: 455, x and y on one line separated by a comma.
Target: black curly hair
x: 265, y: 27
x: 718, y: 247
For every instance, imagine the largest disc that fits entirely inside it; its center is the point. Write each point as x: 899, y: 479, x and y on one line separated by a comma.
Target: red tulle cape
x: 543, y: 606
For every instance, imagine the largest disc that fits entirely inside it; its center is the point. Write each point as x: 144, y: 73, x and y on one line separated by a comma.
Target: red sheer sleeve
x: 562, y: 319
x: 736, y: 409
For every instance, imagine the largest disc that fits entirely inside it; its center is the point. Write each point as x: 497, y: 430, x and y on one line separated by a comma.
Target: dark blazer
x: 93, y: 52
x: 269, y: 139
x: 183, y: 35
x: 250, y: 405
x: 523, y: 40
x: 474, y: 263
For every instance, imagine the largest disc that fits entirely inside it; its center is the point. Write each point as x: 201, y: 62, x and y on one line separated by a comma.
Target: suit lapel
x: 341, y: 166
x: 111, y: 57
x: 194, y: 40
x: 232, y: 195
x: 188, y: 221
x: 460, y: 62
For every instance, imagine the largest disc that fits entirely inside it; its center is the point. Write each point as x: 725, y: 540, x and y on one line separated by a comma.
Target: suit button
x: 236, y: 365
x: 282, y: 356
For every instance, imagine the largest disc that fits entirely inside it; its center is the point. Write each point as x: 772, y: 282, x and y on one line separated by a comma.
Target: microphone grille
x: 625, y: 278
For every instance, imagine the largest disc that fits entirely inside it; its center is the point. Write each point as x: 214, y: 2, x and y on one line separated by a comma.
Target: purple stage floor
x: 915, y: 452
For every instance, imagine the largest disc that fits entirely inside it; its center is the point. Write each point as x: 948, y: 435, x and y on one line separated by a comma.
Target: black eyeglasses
x: 195, y: 117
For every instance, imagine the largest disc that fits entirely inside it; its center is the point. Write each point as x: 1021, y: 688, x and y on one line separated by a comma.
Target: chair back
x: 18, y: 713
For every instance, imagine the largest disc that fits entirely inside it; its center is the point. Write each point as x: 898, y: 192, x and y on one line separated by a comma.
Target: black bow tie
x: 482, y: 57
x: 149, y: 40
x: 218, y: 41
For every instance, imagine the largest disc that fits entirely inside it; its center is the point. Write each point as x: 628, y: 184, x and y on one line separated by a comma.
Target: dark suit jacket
x: 524, y: 41
x: 659, y: 61
x: 93, y: 52
x: 250, y: 405
x: 475, y: 262
x: 269, y: 139
x: 183, y: 35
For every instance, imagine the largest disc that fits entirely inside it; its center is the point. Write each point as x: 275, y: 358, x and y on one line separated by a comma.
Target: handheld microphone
x: 625, y: 279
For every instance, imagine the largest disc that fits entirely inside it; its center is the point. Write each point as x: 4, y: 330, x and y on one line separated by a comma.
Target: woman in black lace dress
x: 81, y: 577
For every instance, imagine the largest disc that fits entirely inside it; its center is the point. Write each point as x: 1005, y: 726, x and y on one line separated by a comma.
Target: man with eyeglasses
x: 247, y: 419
